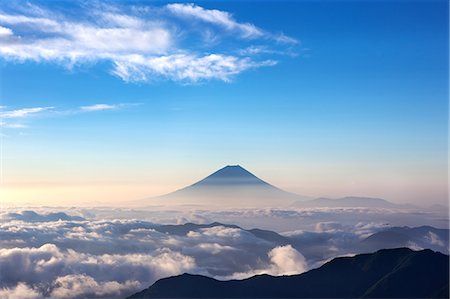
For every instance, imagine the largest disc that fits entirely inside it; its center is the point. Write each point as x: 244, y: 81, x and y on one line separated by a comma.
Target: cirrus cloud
x: 141, y: 43
x: 98, y: 107
x: 217, y: 17
x: 24, y: 112
x: 16, y: 117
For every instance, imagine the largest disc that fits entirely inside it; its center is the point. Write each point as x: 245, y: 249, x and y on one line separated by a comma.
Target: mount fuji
x: 230, y: 186
x: 235, y: 187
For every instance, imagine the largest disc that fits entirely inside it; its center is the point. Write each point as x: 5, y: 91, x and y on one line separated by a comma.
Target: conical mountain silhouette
x: 234, y: 186
x: 230, y: 175
x: 231, y: 186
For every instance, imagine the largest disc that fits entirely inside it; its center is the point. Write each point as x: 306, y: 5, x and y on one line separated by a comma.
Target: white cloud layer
x: 70, y: 274
x: 55, y: 255
x: 20, y: 291
x: 141, y: 43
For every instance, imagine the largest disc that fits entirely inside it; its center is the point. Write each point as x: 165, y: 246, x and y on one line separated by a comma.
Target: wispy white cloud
x: 226, y: 20
x: 217, y: 17
x: 14, y: 119
x: 24, y: 112
x: 12, y: 125
x: 98, y: 107
x: 282, y: 38
x: 185, y: 67
x: 265, y: 50
x: 141, y: 43
x: 44, y: 23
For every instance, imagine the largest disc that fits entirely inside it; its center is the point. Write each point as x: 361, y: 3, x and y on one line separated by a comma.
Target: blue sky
x: 131, y: 99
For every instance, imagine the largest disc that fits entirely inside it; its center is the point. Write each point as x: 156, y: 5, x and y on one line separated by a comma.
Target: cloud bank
x: 180, y: 42
x: 69, y: 274
x: 56, y: 255
x: 75, y: 254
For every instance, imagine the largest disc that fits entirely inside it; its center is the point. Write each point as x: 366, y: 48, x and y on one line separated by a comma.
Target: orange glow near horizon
x: 116, y: 193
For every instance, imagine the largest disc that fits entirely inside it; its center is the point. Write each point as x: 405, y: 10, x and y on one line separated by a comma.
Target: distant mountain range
x: 314, y: 245
x: 235, y: 187
x: 184, y: 229
x: 419, y: 237
x: 31, y: 216
x: 387, y: 273
x: 351, y: 201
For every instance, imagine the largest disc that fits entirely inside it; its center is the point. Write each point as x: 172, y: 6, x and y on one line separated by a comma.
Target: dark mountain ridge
x: 387, y: 273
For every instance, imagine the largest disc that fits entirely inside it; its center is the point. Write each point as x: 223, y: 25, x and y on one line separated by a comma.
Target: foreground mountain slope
x: 388, y: 273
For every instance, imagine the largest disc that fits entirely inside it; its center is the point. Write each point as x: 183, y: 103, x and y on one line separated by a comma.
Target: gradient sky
x: 103, y: 103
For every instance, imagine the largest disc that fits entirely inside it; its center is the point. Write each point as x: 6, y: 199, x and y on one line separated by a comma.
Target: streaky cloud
x: 217, y: 17
x: 226, y: 20
x: 142, y: 44
x: 23, y: 112
x: 98, y: 107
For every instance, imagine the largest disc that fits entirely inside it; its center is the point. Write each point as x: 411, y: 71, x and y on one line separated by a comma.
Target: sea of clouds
x: 102, y: 253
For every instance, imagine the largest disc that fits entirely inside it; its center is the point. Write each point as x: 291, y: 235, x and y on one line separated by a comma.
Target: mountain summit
x: 233, y: 186
x: 230, y: 186
x: 230, y: 175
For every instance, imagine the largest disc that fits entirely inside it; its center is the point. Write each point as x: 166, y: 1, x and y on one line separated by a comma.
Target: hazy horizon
x: 149, y: 199
x: 57, y: 191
